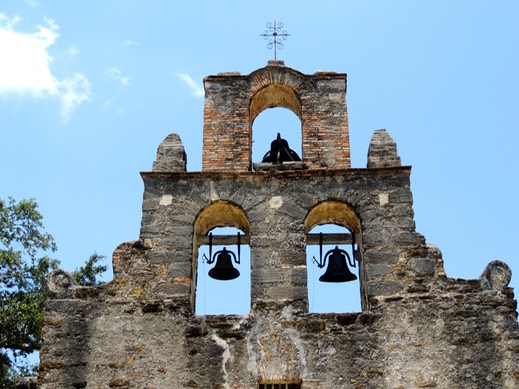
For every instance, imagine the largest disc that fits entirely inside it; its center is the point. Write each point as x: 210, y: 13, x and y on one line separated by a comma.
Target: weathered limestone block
x: 382, y: 151
x: 497, y: 275
x: 61, y: 282
x: 171, y: 156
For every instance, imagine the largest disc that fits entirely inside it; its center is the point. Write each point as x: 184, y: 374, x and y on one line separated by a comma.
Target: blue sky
x: 88, y: 90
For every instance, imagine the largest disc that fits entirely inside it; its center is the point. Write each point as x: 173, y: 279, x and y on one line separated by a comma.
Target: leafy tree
x: 87, y: 275
x: 24, y: 269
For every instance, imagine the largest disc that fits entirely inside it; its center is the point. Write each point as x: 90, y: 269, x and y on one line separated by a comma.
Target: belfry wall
x: 417, y: 327
x: 233, y: 101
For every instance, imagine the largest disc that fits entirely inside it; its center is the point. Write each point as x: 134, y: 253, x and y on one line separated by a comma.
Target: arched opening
x: 223, y: 297
x: 334, y: 237
x: 266, y: 127
x: 275, y: 96
x: 216, y: 237
x: 275, y: 109
x: 331, y: 296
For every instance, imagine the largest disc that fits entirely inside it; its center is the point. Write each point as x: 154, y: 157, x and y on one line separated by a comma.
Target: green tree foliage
x: 24, y: 269
x: 87, y: 275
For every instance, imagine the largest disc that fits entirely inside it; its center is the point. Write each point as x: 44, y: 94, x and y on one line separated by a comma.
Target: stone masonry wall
x: 418, y: 327
x: 276, y: 206
x: 460, y: 335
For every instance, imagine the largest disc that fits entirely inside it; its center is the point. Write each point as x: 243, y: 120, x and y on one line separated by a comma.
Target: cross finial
x: 274, y: 34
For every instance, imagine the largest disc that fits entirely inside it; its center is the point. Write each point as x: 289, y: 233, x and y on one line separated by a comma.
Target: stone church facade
x: 417, y: 328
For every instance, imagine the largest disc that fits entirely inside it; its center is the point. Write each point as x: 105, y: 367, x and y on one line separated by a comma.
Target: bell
x: 224, y: 270
x: 280, y: 152
x: 337, y: 270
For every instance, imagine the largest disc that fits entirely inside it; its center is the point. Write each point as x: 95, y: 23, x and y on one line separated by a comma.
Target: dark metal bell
x: 224, y: 270
x: 337, y: 270
x: 280, y: 152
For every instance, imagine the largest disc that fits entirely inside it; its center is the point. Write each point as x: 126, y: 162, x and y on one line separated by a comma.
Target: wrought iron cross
x: 274, y: 34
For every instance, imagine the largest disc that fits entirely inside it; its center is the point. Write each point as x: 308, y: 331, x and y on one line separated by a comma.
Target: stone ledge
x: 266, y: 166
x: 352, y: 172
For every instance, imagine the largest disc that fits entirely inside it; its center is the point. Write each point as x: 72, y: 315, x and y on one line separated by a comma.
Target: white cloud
x: 116, y: 75
x: 9, y: 23
x: 25, y: 66
x: 72, y: 93
x: 196, y: 89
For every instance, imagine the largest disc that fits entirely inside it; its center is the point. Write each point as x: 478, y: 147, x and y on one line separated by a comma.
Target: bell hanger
x: 337, y: 270
x: 223, y: 270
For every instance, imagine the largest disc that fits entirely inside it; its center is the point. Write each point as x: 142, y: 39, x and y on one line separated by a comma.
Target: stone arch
x: 219, y: 213
x: 333, y: 212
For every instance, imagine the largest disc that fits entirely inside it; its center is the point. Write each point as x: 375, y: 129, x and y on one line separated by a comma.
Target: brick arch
x: 276, y: 89
x: 276, y: 75
x: 275, y: 96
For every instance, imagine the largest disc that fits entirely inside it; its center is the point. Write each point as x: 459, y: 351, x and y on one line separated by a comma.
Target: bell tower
x: 416, y: 327
x: 233, y: 101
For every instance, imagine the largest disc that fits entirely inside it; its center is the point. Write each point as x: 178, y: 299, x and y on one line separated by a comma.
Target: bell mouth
x: 338, y: 277
x: 224, y: 274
